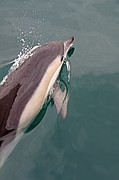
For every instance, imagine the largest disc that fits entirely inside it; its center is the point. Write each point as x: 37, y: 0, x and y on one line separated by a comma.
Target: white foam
x: 17, y: 62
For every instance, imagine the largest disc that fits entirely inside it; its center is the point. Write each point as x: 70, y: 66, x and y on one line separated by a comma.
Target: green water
x: 85, y: 146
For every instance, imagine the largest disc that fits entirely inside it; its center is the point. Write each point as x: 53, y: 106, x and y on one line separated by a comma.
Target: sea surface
x: 84, y: 146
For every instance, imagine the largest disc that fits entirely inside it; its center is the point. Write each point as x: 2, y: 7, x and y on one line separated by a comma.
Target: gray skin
x: 21, y: 84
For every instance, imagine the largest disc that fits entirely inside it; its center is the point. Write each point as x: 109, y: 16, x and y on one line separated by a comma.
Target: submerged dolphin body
x: 24, y: 91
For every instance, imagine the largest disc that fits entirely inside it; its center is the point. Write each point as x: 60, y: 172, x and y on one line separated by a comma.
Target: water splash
x: 18, y: 61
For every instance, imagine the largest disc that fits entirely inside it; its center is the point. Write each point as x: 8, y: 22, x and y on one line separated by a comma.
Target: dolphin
x: 23, y: 92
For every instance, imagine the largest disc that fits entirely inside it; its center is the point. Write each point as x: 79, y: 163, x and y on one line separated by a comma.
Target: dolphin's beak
x: 67, y: 45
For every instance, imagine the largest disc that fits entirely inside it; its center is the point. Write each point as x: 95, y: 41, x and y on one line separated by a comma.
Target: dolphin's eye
x: 71, y: 51
x: 62, y: 58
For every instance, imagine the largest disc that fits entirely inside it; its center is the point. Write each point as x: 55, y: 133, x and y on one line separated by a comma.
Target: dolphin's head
x: 51, y: 57
x: 56, y: 49
x: 56, y: 53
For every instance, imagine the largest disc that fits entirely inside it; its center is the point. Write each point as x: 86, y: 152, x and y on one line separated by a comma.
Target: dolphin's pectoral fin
x: 60, y: 95
x: 60, y: 98
x: 6, y: 104
x: 63, y: 111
